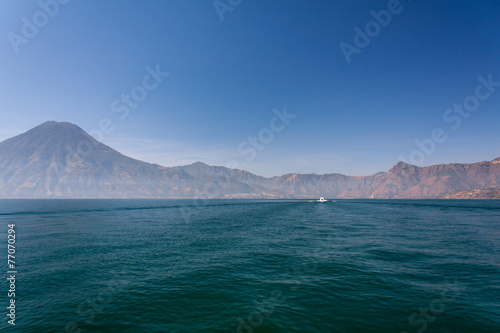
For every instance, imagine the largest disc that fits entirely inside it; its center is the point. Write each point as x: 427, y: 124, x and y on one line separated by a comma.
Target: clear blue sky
x: 226, y: 77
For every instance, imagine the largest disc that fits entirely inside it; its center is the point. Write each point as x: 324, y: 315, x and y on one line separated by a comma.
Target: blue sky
x: 225, y: 78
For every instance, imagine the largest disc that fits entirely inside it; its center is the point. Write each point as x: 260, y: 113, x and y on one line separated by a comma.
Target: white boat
x: 322, y: 200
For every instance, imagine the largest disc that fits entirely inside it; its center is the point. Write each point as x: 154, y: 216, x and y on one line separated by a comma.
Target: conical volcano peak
x: 57, y: 126
x: 59, y: 159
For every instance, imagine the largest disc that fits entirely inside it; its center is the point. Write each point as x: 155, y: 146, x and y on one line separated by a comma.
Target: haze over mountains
x: 60, y: 160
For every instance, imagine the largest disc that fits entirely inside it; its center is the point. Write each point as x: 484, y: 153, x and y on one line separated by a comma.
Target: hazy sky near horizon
x: 90, y: 63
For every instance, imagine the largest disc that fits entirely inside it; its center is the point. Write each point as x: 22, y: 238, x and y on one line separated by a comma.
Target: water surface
x: 254, y: 265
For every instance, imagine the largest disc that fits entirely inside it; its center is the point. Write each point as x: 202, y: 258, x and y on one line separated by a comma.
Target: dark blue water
x: 253, y: 266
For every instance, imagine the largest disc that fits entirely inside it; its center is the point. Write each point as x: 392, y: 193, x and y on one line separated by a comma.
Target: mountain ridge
x: 60, y: 160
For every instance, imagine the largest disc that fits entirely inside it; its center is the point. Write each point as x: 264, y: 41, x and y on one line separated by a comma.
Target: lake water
x: 252, y: 266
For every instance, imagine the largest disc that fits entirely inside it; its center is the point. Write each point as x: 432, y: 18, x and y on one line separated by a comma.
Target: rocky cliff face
x: 60, y: 160
x: 402, y: 181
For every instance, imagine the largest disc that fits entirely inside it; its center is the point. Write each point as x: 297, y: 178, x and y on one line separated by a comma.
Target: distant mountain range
x: 60, y: 160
